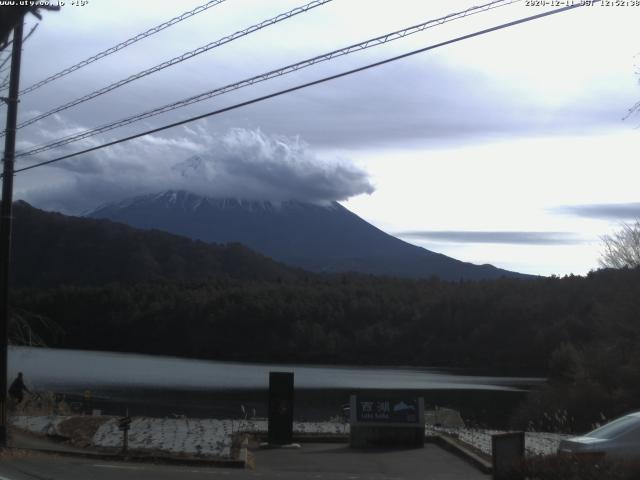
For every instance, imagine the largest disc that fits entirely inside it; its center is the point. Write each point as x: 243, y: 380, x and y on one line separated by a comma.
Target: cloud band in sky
x: 603, y: 211
x: 515, y: 238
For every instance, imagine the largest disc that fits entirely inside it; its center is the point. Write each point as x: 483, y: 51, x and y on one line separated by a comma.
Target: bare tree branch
x: 25, y: 328
x: 636, y: 107
x: 622, y: 248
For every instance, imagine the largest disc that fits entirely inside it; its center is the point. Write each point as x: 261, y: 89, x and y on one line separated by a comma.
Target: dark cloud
x: 418, y: 101
x: 239, y: 163
x: 604, y: 211
x: 425, y: 100
x: 515, y: 238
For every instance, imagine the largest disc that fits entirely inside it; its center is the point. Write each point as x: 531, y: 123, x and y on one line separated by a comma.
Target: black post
x: 507, y: 451
x: 5, y: 221
x: 87, y: 404
x: 280, y: 408
x: 125, y: 440
x: 125, y: 425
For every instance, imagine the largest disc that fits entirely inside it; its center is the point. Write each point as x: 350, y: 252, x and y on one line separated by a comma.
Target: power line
x: 33, y: 29
x: 122, y: 45
x: 269, y: 75
x: 178, y: 59
x: 306, y: 85
x: 5, y: 61
x: 5, y: 82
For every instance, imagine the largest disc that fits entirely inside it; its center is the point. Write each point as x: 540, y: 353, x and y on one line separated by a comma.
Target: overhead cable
x: 304, y: 85
x: 121, y: 45
x: 389, y: 37
x: 177, y: 60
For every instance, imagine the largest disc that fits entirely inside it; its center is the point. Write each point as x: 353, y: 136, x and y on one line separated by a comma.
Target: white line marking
x: 121, y: 467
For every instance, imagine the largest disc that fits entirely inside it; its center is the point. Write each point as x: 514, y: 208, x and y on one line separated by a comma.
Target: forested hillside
x: 50, y: 249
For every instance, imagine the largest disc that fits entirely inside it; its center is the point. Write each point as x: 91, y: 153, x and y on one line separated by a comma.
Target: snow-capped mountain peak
x: 325, y: 237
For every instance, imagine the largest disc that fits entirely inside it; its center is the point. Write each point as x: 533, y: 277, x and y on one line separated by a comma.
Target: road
x: 312, y: 461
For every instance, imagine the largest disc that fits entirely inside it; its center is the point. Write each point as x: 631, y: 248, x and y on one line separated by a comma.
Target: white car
x: 618, y: 438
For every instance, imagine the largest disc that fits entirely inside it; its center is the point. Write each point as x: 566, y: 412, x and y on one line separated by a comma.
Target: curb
x: 311, y: 438
x: 457, y: 448
x: 324, y: 438
x: 240, y: 462
x: 243, y: 455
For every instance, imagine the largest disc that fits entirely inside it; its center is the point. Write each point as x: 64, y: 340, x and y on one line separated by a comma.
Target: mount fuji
x: 320, y: 238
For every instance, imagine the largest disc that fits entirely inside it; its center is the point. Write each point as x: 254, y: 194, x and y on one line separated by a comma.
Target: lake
x: 157, y: 385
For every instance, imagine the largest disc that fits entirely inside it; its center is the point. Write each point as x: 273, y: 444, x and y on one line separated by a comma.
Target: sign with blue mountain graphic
x: 390, y: 410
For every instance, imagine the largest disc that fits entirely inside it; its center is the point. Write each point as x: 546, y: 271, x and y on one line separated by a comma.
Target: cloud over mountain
x: 239, y: 163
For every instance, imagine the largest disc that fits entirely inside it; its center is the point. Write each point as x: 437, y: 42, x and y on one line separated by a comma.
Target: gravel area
x: 212, y: 437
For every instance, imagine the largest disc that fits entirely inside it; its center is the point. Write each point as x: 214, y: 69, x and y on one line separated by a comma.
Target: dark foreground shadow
x: 347, y: 449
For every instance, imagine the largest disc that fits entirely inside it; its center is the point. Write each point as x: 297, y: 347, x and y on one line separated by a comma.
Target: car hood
x: 585, y: 440
x: 581, y: 444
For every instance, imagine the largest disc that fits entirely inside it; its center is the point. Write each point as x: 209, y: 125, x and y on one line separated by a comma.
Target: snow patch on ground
x: 535, y: 443
x: 45, y: 425
x: 201, y: 437
x: 312, y: 428
x: 211, y: 437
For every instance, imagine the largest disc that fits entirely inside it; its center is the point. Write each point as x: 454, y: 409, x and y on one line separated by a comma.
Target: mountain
x: 51, y: 249
x: 321, y: 238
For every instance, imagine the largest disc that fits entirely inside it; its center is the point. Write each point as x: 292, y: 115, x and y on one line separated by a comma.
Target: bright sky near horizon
x: 509, y: 148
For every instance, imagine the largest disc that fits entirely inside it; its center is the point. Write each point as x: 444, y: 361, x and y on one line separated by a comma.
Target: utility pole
x: 5, y: 221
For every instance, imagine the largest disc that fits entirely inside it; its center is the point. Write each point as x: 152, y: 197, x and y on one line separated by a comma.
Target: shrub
x: 563, y: 408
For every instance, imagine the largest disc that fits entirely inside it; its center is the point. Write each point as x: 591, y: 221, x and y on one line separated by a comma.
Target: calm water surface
x: 160, y: 386
x: 78, y: 369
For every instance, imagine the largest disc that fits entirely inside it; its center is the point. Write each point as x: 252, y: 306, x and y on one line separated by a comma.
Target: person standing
x: 17, y: 388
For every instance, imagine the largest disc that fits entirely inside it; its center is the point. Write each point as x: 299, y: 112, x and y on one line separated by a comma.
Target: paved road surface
x: 312, y: 461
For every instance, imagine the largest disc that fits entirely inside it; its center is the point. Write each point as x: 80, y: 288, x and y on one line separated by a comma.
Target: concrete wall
x: 363, y: 436
x: 382, y: 434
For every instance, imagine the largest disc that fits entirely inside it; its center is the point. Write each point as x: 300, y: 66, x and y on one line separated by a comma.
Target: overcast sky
x: 509, y: 148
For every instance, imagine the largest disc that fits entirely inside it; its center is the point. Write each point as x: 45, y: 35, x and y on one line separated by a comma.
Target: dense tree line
x: 501, y: 326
